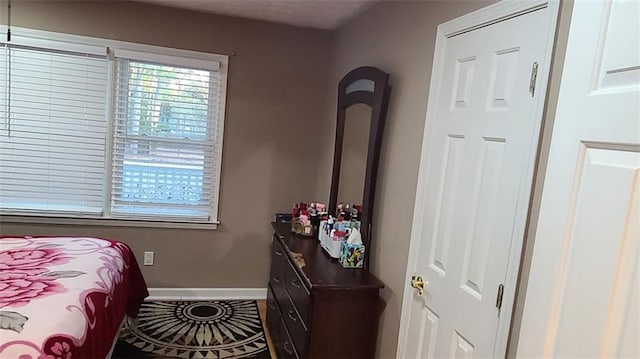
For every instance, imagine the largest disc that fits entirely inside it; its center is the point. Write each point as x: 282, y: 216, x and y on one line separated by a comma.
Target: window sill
x: 103, y: 222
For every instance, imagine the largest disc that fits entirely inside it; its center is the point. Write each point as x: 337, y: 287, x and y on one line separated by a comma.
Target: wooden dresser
x: 319, y: 310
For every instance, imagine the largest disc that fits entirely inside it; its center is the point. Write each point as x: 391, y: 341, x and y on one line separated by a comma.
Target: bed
x: 65, y: 297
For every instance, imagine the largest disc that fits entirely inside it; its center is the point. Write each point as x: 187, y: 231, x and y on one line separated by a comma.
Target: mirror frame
x: 378, y: 100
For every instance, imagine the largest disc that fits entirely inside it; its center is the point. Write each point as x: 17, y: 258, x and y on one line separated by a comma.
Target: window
x: 164, y: 136
x: 133, y: 135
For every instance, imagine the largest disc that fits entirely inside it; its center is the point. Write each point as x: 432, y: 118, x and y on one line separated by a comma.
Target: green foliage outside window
x: 167, y: 102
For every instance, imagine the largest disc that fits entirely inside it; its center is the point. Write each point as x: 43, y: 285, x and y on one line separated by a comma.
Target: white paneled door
x: 582, y: 299
x: 471, y: 206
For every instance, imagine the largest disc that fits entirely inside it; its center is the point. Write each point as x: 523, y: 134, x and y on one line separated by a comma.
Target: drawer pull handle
x: 287, y: 348
x: 276, y: 278
x: 293, y: 316
x: 295, y: 283
x: 277, y: 252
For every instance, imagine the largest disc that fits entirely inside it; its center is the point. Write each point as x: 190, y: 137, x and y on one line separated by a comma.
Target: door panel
x: 463, y: 79
x: 618, y: 50
x: 503, y: 71
x: 582, y: 295
x: 619, y: 170
x: 478, y: 237
x: 460, y: 347
x: 446, y: 204
x: 426, y: 329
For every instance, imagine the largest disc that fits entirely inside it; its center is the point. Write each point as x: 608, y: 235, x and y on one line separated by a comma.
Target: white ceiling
x: 322, y: 14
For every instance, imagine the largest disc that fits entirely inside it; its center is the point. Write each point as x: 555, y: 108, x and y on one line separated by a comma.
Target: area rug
x: 192, y: 330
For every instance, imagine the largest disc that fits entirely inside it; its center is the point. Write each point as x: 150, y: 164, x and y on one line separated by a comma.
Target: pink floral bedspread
x: 65, y: 297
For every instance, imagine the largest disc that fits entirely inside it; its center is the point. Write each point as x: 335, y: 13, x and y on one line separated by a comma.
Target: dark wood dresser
x: 319, y: 309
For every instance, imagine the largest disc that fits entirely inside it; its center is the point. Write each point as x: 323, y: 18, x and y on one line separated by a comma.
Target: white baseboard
x: 206, y: 293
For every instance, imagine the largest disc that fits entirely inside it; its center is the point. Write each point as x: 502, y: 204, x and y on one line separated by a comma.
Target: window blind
x: 164, y: 139
x: 52, y: 129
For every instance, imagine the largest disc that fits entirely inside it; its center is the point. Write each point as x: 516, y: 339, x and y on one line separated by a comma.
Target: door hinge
x: 534, y: 76
x: 499, y: 298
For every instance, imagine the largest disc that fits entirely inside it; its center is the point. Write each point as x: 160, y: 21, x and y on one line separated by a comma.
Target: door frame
x: 486, y: 16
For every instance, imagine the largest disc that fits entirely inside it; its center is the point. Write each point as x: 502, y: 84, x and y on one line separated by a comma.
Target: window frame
x: 191, y: 58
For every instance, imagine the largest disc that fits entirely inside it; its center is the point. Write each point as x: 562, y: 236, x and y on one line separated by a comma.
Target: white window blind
x: 165, y: 138
x: 52, y: 129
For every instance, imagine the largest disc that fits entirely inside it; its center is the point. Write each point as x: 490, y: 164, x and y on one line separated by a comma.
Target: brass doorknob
x: 418, y: 283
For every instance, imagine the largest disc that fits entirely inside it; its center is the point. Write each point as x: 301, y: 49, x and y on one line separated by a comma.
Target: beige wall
x: 277, y: 83
x: 398, y: 37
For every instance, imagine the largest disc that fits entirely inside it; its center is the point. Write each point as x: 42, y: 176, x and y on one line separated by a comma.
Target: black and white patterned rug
x: 190, y: 330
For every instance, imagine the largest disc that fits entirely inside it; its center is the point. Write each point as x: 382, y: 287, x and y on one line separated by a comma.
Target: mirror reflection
x: 354, y: 154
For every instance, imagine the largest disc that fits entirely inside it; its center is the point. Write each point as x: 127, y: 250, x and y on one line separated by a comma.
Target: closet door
x: 582, y: 297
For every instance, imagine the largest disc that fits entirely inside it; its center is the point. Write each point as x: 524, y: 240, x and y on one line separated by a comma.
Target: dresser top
x: 320, y: 270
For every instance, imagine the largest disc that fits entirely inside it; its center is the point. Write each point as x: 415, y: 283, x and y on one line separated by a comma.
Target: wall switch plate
x: 148, y: 258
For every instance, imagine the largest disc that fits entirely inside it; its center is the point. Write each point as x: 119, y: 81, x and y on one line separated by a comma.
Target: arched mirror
x: 363, y: 96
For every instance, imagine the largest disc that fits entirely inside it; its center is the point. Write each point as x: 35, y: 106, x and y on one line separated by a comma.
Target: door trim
x: 489, y: 15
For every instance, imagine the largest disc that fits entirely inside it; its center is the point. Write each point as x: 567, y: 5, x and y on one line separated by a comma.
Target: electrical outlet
x: 148, y: 258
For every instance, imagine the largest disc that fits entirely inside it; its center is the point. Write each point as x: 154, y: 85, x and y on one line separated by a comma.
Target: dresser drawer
x: 298, y: 293
x: 279, y: 263
x: 273, y: 316
x: 296, y: 328
x: 279, y: 268
x: 285, y: 347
